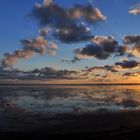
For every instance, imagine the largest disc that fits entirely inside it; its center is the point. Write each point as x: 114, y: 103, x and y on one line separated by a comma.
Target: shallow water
x: 68, y: 99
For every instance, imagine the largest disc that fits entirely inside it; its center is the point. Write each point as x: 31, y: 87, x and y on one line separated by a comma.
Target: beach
x: 120, y: 125
x: 95, y: 112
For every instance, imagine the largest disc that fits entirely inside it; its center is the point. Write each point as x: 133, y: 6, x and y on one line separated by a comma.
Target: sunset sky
x: 76, y: 41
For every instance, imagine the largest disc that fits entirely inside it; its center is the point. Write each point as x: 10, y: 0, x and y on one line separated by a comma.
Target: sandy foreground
x: 116, y: 125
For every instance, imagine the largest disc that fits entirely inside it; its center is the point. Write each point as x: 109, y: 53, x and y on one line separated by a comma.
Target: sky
x: 70, y: 40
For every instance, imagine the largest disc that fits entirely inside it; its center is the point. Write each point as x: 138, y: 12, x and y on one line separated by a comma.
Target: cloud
x: 51, y: 48
x: 65, y: 22
x: 90, y: 51
x: 135, y: 10
x: 37, y: 45
x: 9, y: 73
x: 107, y: 43
x: 133, y: 43
x: 128, y: 74
x: 51, y: 73
x: 132, y: 74
x: 87, y: 12
x: 128, y: 64
x: 51, y: 13
x: 44, y: 31
x: 101, y: 48
x: 95, y: 73
x: 47, y: 2
x: 114, y: 69
x: 39, y: 74
x: 71, y: 33
x: 8, y: 60
x: 131, y: 39
x: 30, y: 47
x: 74, y: 60
x: 108, y: 68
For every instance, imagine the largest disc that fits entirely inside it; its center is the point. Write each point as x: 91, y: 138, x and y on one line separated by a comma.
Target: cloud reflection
x: 50, y: 100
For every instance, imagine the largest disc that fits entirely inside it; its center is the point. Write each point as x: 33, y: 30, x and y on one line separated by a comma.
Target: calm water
x: 68, y: 99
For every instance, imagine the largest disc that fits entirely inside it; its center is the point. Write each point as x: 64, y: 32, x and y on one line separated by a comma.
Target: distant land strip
x: 94, y: 84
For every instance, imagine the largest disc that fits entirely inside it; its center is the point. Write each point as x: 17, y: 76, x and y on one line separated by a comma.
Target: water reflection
x: 68, y: 99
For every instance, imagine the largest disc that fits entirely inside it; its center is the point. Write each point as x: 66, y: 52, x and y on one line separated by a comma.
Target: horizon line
x: 69, y: 84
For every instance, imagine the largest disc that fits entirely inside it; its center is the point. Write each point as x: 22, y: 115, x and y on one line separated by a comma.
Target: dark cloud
x: 101, y: 48
x: 91, y: 50
x: 131, y: 39
x: 54, y: 14
x: 107, y: 43
x: 73, y: 33
x: 9, y: 73
x: 132, y: 74
x: 38, y: 45
x: 51, y: 73
x: 74, y: 60
x: 106, y: 68
x: 66, y: 22
x: 128, y: 64
x: 133, y: 43
x: 128, y: 74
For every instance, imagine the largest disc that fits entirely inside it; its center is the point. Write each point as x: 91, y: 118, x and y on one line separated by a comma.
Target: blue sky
x: 15, y: 25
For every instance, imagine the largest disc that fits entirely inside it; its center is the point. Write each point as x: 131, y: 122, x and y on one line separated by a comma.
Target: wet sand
x: 118, y: 125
